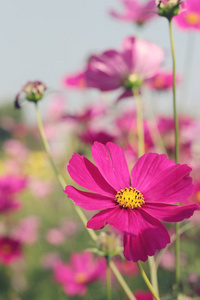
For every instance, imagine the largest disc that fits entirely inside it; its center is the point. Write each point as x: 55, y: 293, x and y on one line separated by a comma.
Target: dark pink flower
x: 76, y: 80
x: 134, y: 204
x: 137, y: 62
x: 189, y: 18
x: 81, y: 271
x: 102, y: 136
x: 9, y: 187
x: 135, y: 11
x: 143, y: 295
x: 10, y: 250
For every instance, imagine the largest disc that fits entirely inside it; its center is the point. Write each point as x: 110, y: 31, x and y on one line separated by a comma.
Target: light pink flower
x: 27, y: 230
x: 50, y: 260
x: 135, y: 11
x: 55, y: 236
x: 90, y: 136
x: 10, y: 186
x: 137, y: 62
x: 134, y: 204
x: 189, y: 18
x: 10, y: 250
x: 78, y: 273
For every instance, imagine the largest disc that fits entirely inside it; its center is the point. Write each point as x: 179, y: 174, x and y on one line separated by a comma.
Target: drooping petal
x: 86, y: 174
x: 89, y: 201
x: 153, y: 236
x: 172, y: 185
x: 124, y: 220
x: 112, y: 164
x: 147, y: 167
x: 170, y: 213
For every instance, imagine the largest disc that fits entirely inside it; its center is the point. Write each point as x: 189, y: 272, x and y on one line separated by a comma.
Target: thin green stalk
x: 147, y: 282
x: 183, y: 229
x: 140, y: 126
x: 177, y: 245
x: 122, y: 282
x: 57, y: 173
x: 141, y: 151
x: 108, y: 279
x: 82, y: 216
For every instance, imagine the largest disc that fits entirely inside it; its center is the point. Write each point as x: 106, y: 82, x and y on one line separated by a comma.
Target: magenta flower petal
x: 89, y: 201
x: 170, y: 213
x: 112, y: 164
x: 124, y: 220
x: 147, y: 167
x: 84, y: 173
x: 153, y: 235
x: 172, y: 185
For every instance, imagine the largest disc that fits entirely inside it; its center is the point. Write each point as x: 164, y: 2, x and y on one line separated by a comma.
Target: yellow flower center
x: 80, y: 277
x: 129, y: 197
x: 192, y: 18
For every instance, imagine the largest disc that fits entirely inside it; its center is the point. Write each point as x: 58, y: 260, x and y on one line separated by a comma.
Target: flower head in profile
x: 78, y: 273
x: 135, y: 12
x: 127, y: 69
x: 133, y: 204
x: 189, y: 18
x: 162, y: 81
x: 10, y: 250
x: 32, y: 91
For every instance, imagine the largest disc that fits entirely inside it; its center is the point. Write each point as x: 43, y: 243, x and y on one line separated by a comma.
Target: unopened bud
x: 109, y: 244
x: 33, y: 91
x: 168, y: 8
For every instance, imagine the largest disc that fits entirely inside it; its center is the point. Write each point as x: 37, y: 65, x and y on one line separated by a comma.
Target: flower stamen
x: 129, y: 197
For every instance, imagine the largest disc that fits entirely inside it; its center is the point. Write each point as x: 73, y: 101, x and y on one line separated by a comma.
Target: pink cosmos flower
x: 134, y: 204
x: 135, y: 11
x: 90, y: 136
x: 55, y: 236
x: 9, y: 187
x: 76, y: 80
x: 189, y: 18
x: 10, y: 250
x: 81, y: 271
x: 27, y: 230
x: 137, y: 62
x: 162, y: 81
x: 143, y: 295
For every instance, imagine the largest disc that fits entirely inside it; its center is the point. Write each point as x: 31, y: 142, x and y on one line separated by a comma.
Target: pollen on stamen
x: 129, y: 198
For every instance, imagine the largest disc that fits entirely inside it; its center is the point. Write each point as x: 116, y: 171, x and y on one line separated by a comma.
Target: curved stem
x: 177, y: 246
x: 108, y: 279
x: 82, y: 216
x: 57, y: 173
x: 122, y: 282
x: 153, y: 273
x: 146, y: 280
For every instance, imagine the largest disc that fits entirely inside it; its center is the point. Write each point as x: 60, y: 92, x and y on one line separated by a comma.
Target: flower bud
x: 33, y: 91
x: 109, y: 244
x: 168, y: 8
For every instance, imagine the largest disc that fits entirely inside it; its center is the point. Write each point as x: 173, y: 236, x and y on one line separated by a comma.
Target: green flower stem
x: 108, y: 279
x: 153, y: 273
x: 183, y: 229
x: 140, y: 126
x: 147, y: 282
x: 82, y: 216
x: 121, y: 281
x: 57, y: 173
x: 141, y: 151
x: 177, y: 245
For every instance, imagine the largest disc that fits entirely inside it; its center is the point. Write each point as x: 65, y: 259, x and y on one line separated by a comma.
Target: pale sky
x: 47, y: 39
